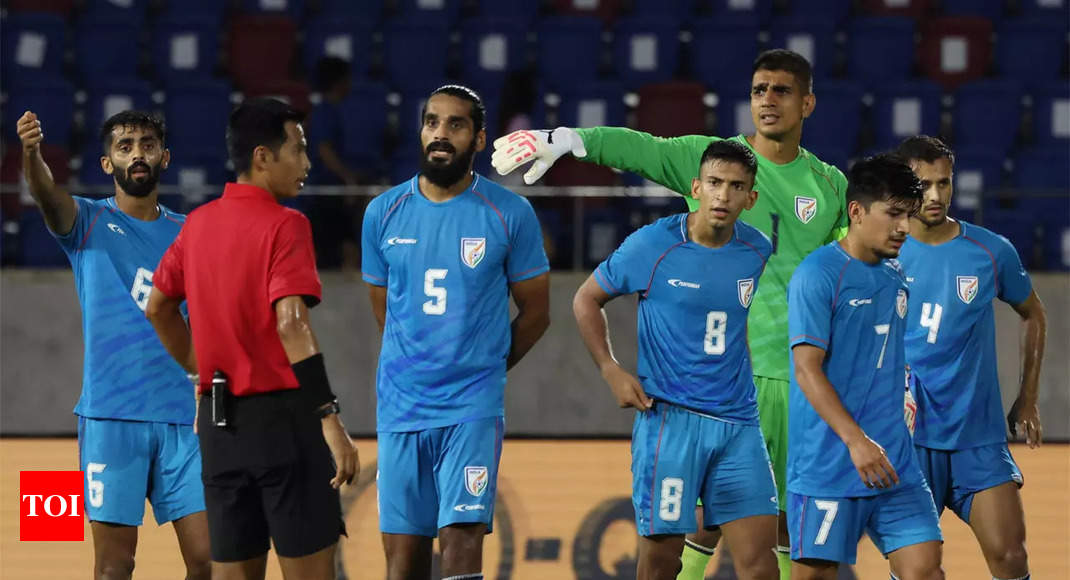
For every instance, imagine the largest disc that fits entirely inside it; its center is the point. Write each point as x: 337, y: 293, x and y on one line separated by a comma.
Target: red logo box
x: 50, y: 506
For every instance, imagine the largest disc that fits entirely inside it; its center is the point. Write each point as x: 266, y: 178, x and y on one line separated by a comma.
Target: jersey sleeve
x: 671, y: 162
x: 83, y: 221
x: 372, y: 263
x: 293, y: 262
x: 527, y: 255
x: 1015, y: 285
x: 810, y: 294
x: 839, y: 183
x: 170, y: 274
x: 628, y: 268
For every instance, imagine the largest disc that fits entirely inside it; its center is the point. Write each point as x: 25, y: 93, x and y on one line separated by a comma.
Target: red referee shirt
x: 232, y: 260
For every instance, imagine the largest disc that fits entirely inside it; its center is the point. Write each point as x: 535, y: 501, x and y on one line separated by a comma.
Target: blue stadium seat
x: 438, y: 12
x: 404, y: 164
x: 31, y: 46
x: 990, y: 9
x: 834, y: 12
x: 105, y: 49
x: 674, y: 9
x: 522, y: 12
x: 903, y: 110
x: 569, y: 50
x: 1031, y: 51
x: 208, y: 105
x: 988, y: 113
x: 978, y: 175
x: 91, y: 174
x: 604, y: 10
x: 293, y: 8
x: 368, y: 12
x: 811, y: 35
x: 722, y: 53
x: 1051, y: 114
x: 880, y: 49
x: 837, y: 120
x: 415, y: 53
x: 133, y: 11
x: 758, y: 10
x: 733, y: 112
x: 185, y: 49
x: 1043, y: 168
x: 364, y: 113
x: 347, y: 38
x: 913, y: 9
x: 211, y: 9
x: 490, y: 50
x: 37, y: 247
x: 646, y: 50
x: 1057, y: 10
x: 1022, y: 232
x: 195, y: 170
x: 111, y: 97
x: 591, y: 105
x: 53, y: 102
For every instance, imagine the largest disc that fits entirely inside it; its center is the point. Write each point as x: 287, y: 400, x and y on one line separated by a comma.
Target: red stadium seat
x: 605, y: 10
x: 955, y: 50
x: 293, y: 92
x: 672, y: 109
x: 261, y: 49
x: 61, y: 7
x: 915, y: 9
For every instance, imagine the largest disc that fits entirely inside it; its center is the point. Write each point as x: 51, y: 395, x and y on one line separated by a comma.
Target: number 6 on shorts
x: 830, y: 508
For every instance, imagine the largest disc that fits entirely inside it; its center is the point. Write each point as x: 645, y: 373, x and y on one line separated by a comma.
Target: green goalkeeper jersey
x: 800, y: 207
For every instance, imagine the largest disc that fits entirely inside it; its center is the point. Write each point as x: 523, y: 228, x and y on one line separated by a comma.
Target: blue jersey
x: 693, y: 304
x: 447, y: 269
x: 951, y: 334
x: 856, y: 312
x: 128, y: 373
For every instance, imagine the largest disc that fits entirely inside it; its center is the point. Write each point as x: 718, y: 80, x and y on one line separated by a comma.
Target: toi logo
x: 50, y: 506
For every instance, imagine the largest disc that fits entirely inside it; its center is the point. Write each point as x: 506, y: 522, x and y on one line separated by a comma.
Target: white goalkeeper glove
x: 543, y: 146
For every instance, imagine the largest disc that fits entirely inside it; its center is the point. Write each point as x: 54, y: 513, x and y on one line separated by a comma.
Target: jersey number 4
x: 930, y: 318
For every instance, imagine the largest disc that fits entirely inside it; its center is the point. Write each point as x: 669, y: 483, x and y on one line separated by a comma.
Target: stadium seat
x: 684, y: 99
x: 604, y: 10
x: 132, y: 12
x: 733, y: 112
x: 569, y: 50
x: 261, y: 49
x: 903, y: 110
x: 438, y: 12
x: 990, y: 9
x: 196, y: 115
x: 404, y: 164
x: 346, y: 38
x: 1051, y: 115
x: 293, y: 8
x: 646, y: 50
x: 37, y: 247
x: 756, y: 11
x: 91, y: 176
x: 978, y: 175
x: 364, y: 113
x: 57, y: 158
x: 590, y: 105
x: 53, y: 102
x: 988, y: 113
x: 60, y: 7
x: 522, y: 12
x: 914, y: 9
x: 294, y: 93
x: 1031, y: 51
x: 111, y: 97
x: 881, y: 49
x: 490, y: 50
x: 198, y: 176
x: 722, y: 53
x: 837, y: 119
x: 955, y: 50
x: 834, y: 12
x: 1022, y: 232
x: 1043, y: 168
x: 1057, y: 10
x: 676, y: 10
x: 813, y: 36
x: 568, y: 171
x: 415, y: 54
x: 31, y: 46
x: 213, y: 10
x: 185, y: 49
x: 368, y: 12
x: 104, y: 49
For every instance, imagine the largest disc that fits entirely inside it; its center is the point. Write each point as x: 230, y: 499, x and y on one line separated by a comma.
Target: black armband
x: 311, y: 374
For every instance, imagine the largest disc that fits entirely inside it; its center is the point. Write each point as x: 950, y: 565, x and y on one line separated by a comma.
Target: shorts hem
x: 672, y: 532
x: 911, y: 542
x: 747, y: 514
x: 410, y: 532
x: 164, y: 518
x: 307, y: 551
x: 117, y: 521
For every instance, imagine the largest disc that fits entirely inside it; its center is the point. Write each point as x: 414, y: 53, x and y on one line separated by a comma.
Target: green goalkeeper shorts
x: 773, y: 416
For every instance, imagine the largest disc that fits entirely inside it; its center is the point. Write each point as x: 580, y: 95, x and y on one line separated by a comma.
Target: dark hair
x: 730, y: 151
x: 478, y: 113
x: 255, y: 122
x: 924, y: 148
x: 138, y: 119
x: 787, y: 60
x: 884, y: 177
x: 330, y: 70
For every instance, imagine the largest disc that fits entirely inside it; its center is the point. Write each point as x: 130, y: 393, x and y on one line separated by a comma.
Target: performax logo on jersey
x: 675, y: 283
x: 50, y: 506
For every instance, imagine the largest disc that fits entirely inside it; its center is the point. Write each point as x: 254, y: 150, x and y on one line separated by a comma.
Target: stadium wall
x: 554, y: 392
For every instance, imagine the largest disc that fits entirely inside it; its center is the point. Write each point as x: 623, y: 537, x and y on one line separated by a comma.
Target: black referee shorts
x: 267, y: 477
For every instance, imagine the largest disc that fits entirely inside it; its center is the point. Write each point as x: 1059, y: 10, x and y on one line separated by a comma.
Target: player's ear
x: 855, y: 211
x: 752, y: 198
x: 696, y: 188
x: 166, y: 160
x: 105, y: 164
x: 809, y: 102
x: 481, y: 140
x: 260, y: 156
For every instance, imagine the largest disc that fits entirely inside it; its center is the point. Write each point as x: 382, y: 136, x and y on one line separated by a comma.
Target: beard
x: 446, y: 174
x: 134, y: 187
x: 931, y: 222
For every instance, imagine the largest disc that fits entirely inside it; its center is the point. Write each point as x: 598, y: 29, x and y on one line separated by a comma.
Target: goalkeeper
x: 800, y: 207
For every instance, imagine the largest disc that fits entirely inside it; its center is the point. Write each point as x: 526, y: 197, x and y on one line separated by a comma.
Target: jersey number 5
x: 436, y: 306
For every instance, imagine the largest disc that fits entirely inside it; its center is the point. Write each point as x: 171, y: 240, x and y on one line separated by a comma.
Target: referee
x: 267, y: 419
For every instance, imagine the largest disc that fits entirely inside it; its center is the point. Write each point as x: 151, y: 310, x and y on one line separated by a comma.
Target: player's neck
x: 439, y: 194
x: 779, y: 152
x: 857, y: 250
x: 934, y: 235
x: 142, y: 208
x: 706, y: 235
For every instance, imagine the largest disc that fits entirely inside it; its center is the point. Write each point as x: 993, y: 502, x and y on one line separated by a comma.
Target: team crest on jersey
x: 476, y: 479
x: 967, y: 288
x: 746, y: 290
x: 805, y: 208
x: 901, y: 303
x: 473, y: 250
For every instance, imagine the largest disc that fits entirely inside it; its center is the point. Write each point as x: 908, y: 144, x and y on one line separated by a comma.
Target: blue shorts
x: 679, y: 457
x: 829, y: 528
x: 955, y: 476
x: 437, y: 477
x: 127, y: 461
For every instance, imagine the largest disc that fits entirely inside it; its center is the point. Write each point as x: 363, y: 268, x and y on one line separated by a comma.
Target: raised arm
x: 1034, y: 329
x: 57, y: 206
